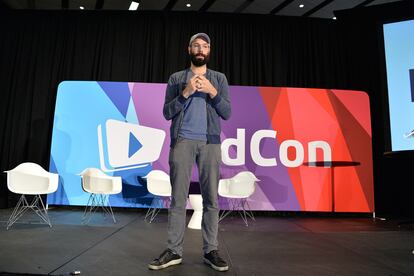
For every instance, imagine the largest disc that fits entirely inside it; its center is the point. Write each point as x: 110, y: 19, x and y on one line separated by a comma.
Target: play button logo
x: 134, y: 145
x: 124, y: 145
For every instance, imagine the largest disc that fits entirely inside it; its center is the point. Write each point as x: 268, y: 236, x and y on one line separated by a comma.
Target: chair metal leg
x: 151, y: 210
x: 106, y: 206
x: 154, y: 213
x: 232, y: 208
x: 23, y: 205
x: 242, y: 211
x: 156, y: 205
x: 95, y: 202
x: 89, y: 208
x: 18, y: 211
x: 149, y: 213
x: 87, y: 205
x: 248, y: 210
x: 41, y: 212
x: 240, y: 205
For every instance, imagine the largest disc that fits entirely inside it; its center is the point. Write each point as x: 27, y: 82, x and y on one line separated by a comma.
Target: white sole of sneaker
x: 218, y: 268
x: 170, y: 263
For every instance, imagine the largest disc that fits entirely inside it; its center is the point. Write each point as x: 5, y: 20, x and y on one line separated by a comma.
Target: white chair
x: 236, y: 190
x: 196, y: 202
x: 158, y: 184
x: 30, y: 179
x: 100, y: 186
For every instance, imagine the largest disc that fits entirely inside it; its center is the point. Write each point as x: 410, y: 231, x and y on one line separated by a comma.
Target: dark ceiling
x: 306, y: 8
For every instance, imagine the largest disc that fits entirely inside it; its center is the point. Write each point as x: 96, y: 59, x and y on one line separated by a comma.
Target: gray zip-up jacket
x: 217, y: 107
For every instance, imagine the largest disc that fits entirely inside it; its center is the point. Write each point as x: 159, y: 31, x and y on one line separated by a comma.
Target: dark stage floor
x: 272, y: 245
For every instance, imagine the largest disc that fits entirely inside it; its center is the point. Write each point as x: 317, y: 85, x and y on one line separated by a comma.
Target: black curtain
x: 39, y: 49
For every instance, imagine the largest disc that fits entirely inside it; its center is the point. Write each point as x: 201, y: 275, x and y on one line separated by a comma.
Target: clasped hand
x: 201, y: 84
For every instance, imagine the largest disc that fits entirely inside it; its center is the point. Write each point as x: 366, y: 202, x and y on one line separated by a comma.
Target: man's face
x: 199, y: 52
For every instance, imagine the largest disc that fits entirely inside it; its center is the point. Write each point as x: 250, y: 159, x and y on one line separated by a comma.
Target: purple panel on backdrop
x: 148, y: 101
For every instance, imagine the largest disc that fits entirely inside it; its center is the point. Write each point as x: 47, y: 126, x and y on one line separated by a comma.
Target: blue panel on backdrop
x: 96, y: 125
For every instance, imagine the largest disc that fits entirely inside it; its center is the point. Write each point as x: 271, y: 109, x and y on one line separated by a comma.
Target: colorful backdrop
x: 276, y: 133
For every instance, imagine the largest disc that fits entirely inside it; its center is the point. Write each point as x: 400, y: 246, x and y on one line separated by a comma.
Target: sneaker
x: 214, y: 260
x: 166, y: 259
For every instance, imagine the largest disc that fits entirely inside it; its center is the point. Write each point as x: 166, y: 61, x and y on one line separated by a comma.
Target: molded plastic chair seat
x: 196, y: 202
x: 30, y: 179
x: 158, y: 184
x: 236, y: 190
x: 100, y: 186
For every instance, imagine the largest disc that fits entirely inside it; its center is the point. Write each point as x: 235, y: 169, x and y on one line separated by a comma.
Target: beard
x: 199, y: 59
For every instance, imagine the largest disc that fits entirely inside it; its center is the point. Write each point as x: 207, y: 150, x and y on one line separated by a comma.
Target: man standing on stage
x: 195, y: 100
